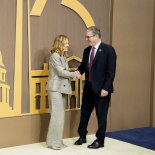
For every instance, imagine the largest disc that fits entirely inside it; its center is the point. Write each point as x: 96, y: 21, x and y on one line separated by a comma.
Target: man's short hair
x: 95, y: 30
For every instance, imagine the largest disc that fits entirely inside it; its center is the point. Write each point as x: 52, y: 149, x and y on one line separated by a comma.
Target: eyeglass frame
x: 88, y: 37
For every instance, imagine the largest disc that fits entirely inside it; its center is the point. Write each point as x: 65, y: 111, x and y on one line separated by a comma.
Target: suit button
x: 64, y: 85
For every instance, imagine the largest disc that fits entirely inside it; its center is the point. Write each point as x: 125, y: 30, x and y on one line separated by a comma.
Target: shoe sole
x: 54, y: 148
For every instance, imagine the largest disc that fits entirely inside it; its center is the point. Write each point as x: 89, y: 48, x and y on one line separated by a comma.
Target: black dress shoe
x: 95, y: 145
x: 80, y: 141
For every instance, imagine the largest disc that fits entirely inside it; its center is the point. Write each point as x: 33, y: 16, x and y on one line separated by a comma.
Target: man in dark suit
x: 99, y: 65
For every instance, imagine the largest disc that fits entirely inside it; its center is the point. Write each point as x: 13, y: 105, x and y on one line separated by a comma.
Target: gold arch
x: 80, y: 10
x: 72, y: 4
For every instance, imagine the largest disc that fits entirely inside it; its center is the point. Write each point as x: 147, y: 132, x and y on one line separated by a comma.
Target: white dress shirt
x: 95, y: 50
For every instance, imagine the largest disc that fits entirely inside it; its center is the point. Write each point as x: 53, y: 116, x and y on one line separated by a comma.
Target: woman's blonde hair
x: 58, y: 45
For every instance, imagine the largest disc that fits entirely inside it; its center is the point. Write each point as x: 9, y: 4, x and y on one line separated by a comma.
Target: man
x: 99, y: 65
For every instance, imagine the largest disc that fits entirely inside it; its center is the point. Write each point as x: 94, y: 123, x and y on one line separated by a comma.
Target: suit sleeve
x: 111, y: 69
x: 55, y: 61
x: 81, y: 67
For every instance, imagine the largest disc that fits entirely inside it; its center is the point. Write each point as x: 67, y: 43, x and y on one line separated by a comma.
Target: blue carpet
x: 144, y: 137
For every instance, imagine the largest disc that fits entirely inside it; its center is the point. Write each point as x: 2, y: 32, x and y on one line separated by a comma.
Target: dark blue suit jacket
x: 103, y: 68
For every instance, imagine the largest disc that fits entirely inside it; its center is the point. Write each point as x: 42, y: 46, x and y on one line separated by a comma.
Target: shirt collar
x: 97, y: 45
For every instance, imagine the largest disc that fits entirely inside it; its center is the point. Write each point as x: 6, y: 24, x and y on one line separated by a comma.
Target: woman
x: 58, y: 87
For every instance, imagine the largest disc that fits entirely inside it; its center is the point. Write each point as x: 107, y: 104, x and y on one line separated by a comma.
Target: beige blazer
x: 59, y: 75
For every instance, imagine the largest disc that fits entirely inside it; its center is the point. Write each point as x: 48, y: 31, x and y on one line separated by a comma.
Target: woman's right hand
x: 78, y: 75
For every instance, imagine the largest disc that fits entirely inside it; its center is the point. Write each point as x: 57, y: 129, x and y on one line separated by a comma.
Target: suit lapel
x: 98, y: 52
x: 88, y: 53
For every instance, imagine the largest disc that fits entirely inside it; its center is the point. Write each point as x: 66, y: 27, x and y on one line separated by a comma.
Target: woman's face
x: 66, y: 45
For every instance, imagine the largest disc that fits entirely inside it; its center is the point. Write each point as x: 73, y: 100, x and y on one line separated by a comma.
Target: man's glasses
x: 88, y: 37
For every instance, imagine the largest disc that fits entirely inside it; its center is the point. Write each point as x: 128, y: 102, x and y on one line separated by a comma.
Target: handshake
x: 78, y: 75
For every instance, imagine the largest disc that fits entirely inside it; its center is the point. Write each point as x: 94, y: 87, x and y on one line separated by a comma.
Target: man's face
x: 90, y: 38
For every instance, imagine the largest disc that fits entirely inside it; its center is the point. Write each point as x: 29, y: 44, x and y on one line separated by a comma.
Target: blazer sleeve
x: 82, y: 66
x: 111, y: 69
x: 55, y: 61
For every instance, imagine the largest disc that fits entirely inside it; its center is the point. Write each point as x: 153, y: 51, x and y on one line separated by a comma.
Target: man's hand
x: 104, y: 93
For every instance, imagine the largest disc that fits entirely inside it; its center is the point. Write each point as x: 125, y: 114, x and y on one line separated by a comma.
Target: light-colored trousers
x: 57, y: 101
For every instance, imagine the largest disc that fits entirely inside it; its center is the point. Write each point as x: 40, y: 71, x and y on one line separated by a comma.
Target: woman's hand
x: 78, y: 75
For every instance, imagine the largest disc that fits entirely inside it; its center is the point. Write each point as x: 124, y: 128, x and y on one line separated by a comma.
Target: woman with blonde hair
x: 58, y: 87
